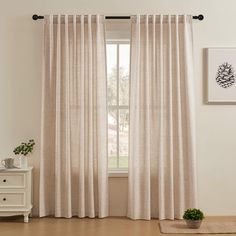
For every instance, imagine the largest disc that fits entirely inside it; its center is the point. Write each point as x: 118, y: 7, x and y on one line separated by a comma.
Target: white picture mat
x: 216, y: 57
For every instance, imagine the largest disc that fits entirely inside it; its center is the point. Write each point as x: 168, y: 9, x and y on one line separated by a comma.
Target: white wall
x: 20, y: 87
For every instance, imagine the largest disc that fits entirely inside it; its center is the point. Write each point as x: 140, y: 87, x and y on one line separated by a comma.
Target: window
x: 118, y: 54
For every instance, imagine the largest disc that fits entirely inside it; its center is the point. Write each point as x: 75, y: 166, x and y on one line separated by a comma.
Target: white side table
x: 16, y: 192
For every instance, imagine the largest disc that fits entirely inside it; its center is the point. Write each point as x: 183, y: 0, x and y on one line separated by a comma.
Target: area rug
x: 207, y: 227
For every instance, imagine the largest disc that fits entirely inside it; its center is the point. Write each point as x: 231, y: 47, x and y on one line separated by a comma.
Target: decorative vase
x: 23, y: 162
x: 193, y: 224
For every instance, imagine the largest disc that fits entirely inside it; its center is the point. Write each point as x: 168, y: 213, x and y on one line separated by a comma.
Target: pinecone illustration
x: 225, y: 76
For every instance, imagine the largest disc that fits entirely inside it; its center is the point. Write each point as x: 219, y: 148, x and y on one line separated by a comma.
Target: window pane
x: 112, y: 74
x: 112, y: 138
x: 124, y: 74
x: 123, y: 137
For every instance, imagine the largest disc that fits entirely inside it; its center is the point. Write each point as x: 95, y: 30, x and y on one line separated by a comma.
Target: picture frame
x: 221, y: 76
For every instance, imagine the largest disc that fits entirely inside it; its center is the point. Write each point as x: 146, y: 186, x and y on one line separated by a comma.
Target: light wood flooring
x: 84, y: 227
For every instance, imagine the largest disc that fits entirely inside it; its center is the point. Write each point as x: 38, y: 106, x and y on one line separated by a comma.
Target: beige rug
x: 207, y: 227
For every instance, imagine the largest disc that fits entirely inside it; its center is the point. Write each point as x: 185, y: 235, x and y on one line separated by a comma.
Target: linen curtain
x: 162, y: 175
x: 73, y: 167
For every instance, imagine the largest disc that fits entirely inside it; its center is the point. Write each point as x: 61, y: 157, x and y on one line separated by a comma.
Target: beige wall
x: 20, y: 87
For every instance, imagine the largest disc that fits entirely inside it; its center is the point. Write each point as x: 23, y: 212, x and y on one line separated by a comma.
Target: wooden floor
x: 84, y: 227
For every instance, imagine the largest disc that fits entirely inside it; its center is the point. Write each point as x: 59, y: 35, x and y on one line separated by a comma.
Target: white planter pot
x: 23, y: 162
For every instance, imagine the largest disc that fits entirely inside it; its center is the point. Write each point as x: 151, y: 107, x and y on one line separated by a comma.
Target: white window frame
x: 118, y: 172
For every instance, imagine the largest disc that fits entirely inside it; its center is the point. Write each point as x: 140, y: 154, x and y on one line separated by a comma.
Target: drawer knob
x: 4, y: 199
x: 4, y: 180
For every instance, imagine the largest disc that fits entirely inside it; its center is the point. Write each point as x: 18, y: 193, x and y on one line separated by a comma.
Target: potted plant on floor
x: 193, y: 218
x: 23, y: 150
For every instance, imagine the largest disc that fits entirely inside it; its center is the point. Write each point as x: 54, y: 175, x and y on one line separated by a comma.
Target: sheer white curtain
x: 73, y: 168
x: 162, y: 176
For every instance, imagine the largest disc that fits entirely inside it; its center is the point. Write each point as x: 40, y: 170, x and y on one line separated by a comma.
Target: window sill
x: 118, y: 173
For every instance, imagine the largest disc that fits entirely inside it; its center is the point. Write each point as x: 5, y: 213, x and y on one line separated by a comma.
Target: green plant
x: 193, y: 214
x: 25, y: 148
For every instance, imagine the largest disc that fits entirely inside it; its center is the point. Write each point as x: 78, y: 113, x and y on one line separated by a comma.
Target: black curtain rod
x: 37, y: 17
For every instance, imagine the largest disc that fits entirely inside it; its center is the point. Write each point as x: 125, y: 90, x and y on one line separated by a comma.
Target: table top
x: 18, y: 169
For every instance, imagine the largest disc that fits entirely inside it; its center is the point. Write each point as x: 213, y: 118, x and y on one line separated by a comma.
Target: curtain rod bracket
x: 199, y: 17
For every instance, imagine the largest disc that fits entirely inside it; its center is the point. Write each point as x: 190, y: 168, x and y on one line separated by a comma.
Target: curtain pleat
x: 73, y: 167
x: 162, y: 175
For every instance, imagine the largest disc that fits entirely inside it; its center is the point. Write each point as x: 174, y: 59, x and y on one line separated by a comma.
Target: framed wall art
x: 221, y: 75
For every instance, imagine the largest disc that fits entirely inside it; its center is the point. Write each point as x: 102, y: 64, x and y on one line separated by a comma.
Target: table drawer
x: 12, y: 199
x: 12, y: 180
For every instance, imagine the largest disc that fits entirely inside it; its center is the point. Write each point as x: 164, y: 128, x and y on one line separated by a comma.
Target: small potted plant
x: 23, y: 150
x: 193, y: 218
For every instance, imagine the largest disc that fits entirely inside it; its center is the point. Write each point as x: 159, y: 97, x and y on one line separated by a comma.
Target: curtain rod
x: 37, y: 17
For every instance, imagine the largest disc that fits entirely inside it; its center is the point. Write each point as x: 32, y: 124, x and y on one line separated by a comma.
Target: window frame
x: 118, y: 171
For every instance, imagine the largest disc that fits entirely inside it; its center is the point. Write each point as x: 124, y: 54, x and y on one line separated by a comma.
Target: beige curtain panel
x: 162, y: 175
x: 73, y: 168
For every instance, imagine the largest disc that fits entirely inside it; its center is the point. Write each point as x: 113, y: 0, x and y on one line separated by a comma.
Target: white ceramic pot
x: 23, y: 162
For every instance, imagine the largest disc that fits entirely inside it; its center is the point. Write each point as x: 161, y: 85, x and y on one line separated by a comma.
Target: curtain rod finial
x: 36, y: 17
x: 199, y: 17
